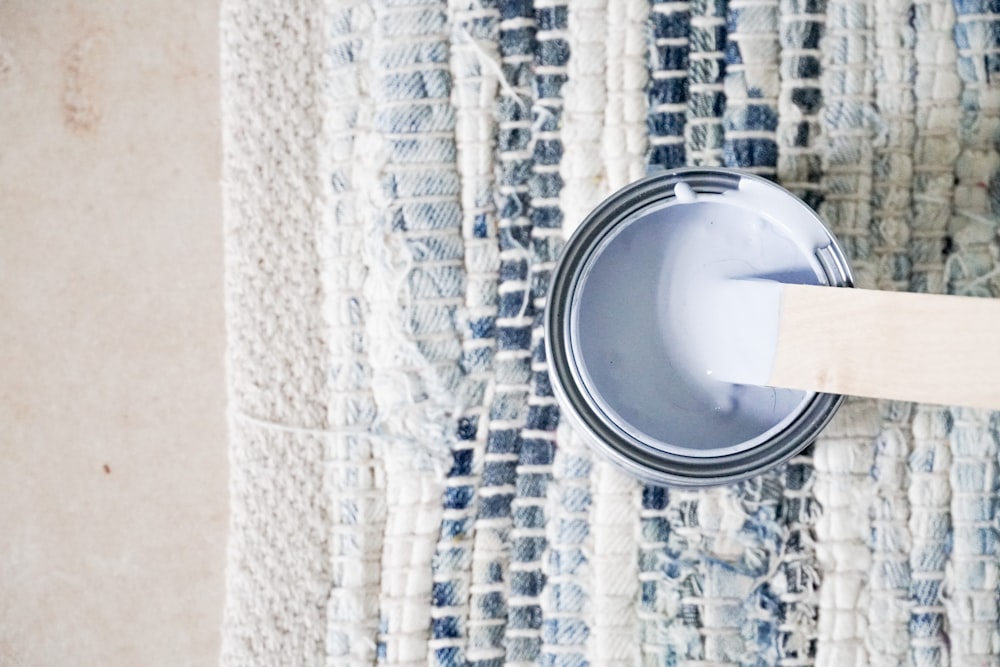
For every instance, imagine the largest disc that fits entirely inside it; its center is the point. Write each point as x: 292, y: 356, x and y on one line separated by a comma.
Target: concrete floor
x: 112, y: 432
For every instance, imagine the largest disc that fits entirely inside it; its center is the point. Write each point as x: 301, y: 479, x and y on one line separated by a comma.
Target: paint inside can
x: 633, y: 338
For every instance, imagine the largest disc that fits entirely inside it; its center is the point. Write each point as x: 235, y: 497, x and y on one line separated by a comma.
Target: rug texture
x: 400, y: 176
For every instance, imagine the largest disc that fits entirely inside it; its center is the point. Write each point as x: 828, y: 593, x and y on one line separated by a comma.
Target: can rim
x: 630, y: 453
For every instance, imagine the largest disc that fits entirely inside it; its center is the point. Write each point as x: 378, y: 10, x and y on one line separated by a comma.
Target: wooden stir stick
x: 912, y: 347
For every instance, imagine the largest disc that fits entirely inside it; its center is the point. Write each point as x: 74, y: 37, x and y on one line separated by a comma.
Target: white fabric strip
x: 411, y: 531
x: 586, y: 98
x: 355, y: 477
x: 615, y: 526
x: 937, y: 118
x: 624, y: 144
x: 844, y: 453
x: 843, y: 460
x: 278, y: 569
x: 889, y: 601
x: 568, y: 606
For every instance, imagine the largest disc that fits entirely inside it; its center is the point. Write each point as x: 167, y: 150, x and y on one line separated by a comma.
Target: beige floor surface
x: 112, y: 435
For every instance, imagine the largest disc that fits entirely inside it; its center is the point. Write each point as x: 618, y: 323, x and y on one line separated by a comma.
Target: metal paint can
x: 603, y: 298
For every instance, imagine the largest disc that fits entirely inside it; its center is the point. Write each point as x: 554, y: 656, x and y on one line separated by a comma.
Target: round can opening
x: 625, y: 305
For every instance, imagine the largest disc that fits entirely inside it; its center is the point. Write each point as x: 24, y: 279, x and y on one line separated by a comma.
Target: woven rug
x: 399, y: 179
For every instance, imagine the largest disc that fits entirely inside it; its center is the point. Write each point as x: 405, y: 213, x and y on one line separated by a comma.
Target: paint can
x: 615, y: 321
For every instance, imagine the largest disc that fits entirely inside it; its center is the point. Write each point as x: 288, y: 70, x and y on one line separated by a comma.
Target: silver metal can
x: 605, y: 304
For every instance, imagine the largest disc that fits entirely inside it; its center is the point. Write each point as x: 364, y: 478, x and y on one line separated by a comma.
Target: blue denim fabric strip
x: 512, y: 371
x: 687, y: 102
x: 930, y: 529
x: 762, y: 625
x: 799, y: 160
x: 653, y: 595
x: 703, y: 131
x: 798, y: 584
x: 669, y: 631
x: 534, y: 464
x: 421, y: 217
x: 421, y: 221
x: 705, y: 561
x: 668, y: 83
x: 682, y: 573
x: 668, y: 94
x: 752, y: 87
